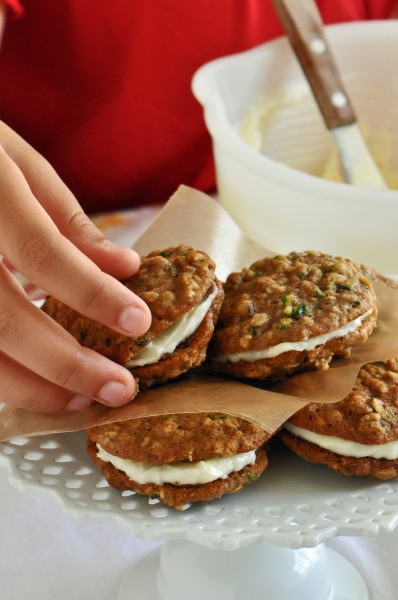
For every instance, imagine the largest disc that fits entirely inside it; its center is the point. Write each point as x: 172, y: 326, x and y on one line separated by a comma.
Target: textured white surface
x: 294, y: 504
x: 86, y: 548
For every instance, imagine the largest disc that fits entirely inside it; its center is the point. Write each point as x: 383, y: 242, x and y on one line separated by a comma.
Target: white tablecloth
x: 47, y: 554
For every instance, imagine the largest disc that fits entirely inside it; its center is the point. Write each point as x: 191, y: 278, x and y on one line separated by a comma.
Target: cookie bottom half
x: 379, y: 468
x: 294, y: 361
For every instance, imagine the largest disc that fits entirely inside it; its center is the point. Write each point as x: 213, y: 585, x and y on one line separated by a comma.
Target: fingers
x: 23, y: 389
x: 32, y: 243
x: 64, y: 210
x: 45, y: 357
x: 81, y: 231
x: 47, y: 237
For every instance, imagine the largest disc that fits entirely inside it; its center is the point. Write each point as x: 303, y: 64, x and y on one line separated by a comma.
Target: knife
x: 303, y: 26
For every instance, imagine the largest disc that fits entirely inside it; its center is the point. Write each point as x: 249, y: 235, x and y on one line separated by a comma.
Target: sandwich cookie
x: 182, y: 458
x: 184, y: 296
x: 290, y: 313
x: 357, y: 435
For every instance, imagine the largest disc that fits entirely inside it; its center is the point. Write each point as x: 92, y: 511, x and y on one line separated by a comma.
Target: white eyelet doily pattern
x: 294, y: 504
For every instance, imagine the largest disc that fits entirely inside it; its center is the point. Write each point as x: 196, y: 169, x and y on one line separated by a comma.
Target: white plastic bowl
x: 281, y: 206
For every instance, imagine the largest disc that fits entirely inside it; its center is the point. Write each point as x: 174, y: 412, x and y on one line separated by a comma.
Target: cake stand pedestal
x: 183, y: 569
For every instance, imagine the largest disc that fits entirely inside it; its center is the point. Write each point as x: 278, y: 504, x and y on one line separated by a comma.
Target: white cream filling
x: 167, y: 341
x: 337, y: 445
x: 299, y: 346
x: 182, y: 472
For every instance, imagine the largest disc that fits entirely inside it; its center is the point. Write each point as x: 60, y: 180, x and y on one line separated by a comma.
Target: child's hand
x: 45, y: 235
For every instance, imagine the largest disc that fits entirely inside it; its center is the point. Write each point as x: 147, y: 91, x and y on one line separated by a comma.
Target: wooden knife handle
x: 304, y: 28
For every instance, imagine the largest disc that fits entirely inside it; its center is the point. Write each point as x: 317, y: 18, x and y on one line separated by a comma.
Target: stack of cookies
x: 280, y: 316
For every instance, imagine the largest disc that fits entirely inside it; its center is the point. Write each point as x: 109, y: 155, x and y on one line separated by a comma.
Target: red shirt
x: 103, y: 89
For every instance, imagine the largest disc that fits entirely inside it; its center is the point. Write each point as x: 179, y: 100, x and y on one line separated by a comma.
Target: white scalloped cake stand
x: 276, y: 527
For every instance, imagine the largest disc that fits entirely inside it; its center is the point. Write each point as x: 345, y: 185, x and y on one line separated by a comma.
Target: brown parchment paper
x: 191, y: 217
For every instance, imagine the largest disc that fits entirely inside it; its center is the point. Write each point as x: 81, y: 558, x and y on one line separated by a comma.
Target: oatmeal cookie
x: 180, y: 458
x: 376, y: 276
x: 184, y: 296
x: 357, y: 435
x: 290, y: 313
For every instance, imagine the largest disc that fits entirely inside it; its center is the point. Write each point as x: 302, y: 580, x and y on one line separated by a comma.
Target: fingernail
x: 112, y: 246
x: 79, y: 402
x: 131, y: 319
x: 112, y: 393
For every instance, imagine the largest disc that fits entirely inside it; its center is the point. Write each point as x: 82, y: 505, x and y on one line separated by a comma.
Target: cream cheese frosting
x: 343, y: 447
x: 181, y: 472
x: 167, y: 341
x: 299, y: 346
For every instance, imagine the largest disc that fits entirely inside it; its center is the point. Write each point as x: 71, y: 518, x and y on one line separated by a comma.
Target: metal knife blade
x: 358, y: 164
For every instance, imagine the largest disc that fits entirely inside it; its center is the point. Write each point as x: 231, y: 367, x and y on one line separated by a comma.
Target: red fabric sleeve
x: 15, y: 7
x: 106, y: 95
x: 355, y: 10
x: 382, y: 9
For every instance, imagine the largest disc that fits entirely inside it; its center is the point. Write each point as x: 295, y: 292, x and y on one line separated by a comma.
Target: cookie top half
x: 290, y: 298
x: 369, y: 413
x: 170, y: 438
x: 171, y: 282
